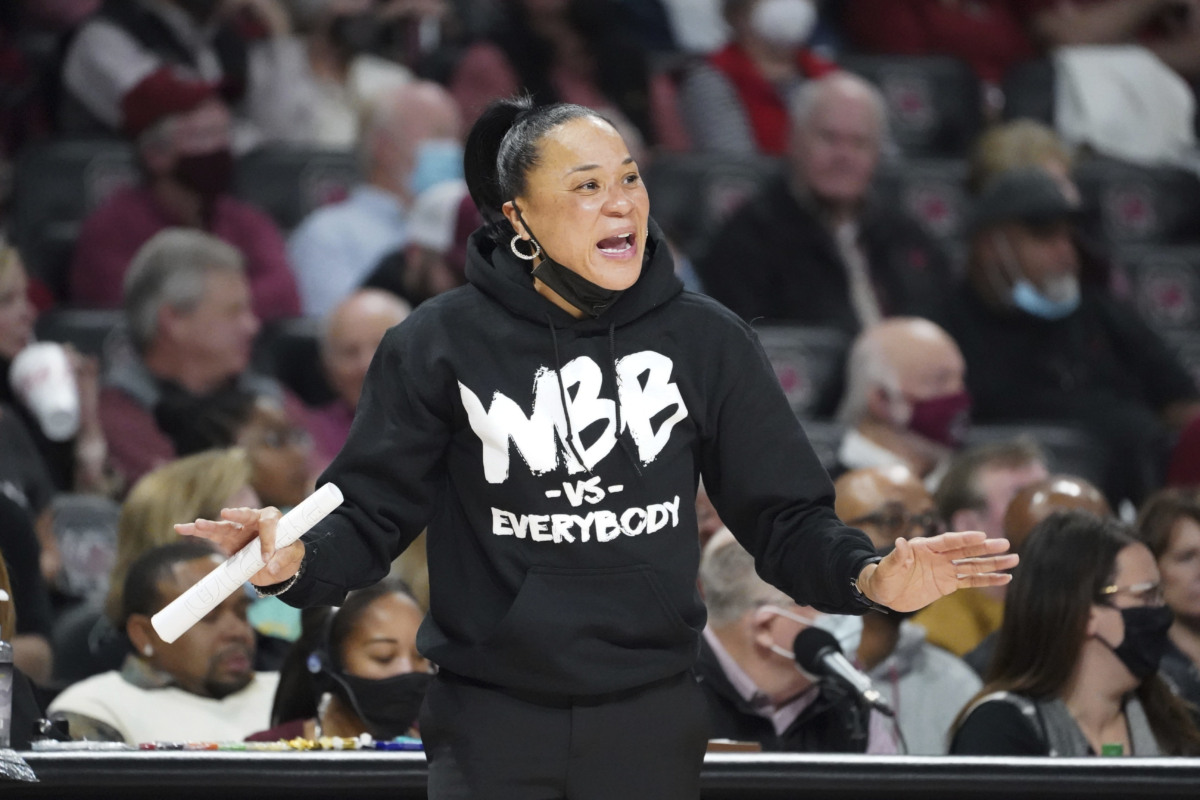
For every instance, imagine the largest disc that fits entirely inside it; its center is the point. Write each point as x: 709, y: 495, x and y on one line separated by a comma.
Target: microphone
x: 818, y: 653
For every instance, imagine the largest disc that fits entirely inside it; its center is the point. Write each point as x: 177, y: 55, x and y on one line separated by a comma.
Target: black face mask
x: 1145, y: 642
x: 388, y: 707
x: 577, y: 290
x: 209, y: 175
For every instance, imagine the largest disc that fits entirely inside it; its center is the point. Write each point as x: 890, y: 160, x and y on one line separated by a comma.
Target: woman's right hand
x: 240, y: 526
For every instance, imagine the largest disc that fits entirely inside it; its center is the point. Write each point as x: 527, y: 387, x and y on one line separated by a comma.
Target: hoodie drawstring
x: 562, y: 392
x: 612, y: 353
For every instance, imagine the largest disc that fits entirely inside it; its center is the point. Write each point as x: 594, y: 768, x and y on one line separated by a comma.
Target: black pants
x: 644, y: 744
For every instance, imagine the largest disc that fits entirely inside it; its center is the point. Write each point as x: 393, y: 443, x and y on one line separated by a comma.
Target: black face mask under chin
x: 578, y: 291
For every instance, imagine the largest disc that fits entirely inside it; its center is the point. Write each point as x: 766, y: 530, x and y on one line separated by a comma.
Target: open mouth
x: 622, y: 245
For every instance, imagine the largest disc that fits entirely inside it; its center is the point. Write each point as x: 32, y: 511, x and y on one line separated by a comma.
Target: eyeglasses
x: 277, y: 439
x: 896, y: 521
x: 1149, y: 593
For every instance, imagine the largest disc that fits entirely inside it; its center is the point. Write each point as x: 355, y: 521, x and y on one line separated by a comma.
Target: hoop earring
x: 537, y: 250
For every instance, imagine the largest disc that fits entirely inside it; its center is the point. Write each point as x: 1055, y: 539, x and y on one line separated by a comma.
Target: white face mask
x: 847, y: 629
x: 787, y: 23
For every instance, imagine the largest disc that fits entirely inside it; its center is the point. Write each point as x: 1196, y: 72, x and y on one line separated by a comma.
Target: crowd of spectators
x: 1019, y: 312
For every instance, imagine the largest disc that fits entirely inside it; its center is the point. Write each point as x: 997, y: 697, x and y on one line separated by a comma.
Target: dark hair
x: 1158, y: 516
x: 1066, y: 562
x: 501, y: 149
x: 959, y: 489
x: 141, y: 595
x: 195, y: 423
x: 297, y: 695
x: 622, y: 71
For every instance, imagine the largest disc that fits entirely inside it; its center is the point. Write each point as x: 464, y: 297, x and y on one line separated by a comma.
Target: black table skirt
x: 401, y: 776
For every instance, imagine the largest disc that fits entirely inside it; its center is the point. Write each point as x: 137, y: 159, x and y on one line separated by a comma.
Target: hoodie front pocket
x: 598, y: 623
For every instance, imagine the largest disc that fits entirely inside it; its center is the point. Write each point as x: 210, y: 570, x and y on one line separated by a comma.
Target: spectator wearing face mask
x: 349, y: 339
x: 736, y: 102
x: 748, y: 672
x: 1040, y: 346
x: 136, y: 49
x: 355, y: 670
x: 200, y: 688
x: 1075, y: 671
x: 1169, y: 524
x: 924, y: 684
x: 905, y: 400
x: 815, y: 247
x: 408, y: 144
x: 182, y: 131
x: 427, y: 265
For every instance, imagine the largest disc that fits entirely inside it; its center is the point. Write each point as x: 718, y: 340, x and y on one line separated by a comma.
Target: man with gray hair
x: 815, y: 247
x: 191, y: 326
x: 748, y: 673
x: 408, y: 144
x: 905, y: 401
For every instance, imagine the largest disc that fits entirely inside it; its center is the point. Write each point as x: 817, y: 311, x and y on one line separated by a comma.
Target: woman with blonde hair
x: 181, y: 491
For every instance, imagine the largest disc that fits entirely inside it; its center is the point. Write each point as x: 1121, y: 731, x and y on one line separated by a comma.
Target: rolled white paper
x: 194, y: 604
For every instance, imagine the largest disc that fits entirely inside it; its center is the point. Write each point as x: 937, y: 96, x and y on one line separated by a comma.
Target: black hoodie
x: 546, y: 575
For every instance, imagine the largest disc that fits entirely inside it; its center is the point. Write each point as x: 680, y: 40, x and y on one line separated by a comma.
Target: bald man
x: 905, y: 401
x: 409, y: 143
x: 1039, y: 500
x: 349, y: 338
x: 1028, y: 508
x: 814, y: 248
x: 886, y: 503
x: 926, y: 685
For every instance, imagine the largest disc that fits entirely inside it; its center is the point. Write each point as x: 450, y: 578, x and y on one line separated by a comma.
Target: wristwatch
x: 857, y: 592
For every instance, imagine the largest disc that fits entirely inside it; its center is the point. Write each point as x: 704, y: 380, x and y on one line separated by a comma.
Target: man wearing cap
x: 183, y: 136
x: 1039, y: 346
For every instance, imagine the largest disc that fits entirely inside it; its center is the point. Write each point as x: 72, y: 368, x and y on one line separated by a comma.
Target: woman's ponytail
x: 480, y: 165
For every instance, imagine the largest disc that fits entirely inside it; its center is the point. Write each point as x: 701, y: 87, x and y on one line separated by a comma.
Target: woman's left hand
x: 920, y: 571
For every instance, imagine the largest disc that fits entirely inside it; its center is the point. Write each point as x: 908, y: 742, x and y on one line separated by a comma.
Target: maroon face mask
x: 943, y: 419
x: 208, y: 175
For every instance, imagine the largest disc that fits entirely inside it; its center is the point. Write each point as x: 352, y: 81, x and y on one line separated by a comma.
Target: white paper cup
x: 42, y: 378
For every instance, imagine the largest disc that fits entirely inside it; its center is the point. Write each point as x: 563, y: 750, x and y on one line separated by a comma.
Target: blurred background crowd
x: 968, y: 232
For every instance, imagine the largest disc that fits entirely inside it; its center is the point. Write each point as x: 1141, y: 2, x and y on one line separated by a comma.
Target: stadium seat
x: 1126, y: 204
x: 935, y: 104
x: 289, y: 351
x: 1164, y: 284
x: 289, y: 182
x: 1029, y: 91
x: 1071, y: 450
x: 85, y: 527
x: 88, y: 330
x: 807, y: 362
x: 933, y: 191
x: 55, y: 186
x: 825, y: 438
x: 691, y: 195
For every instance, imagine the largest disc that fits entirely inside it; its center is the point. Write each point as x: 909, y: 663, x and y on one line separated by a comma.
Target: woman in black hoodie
x: 549, y: 427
